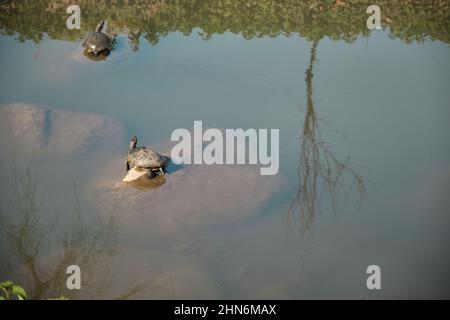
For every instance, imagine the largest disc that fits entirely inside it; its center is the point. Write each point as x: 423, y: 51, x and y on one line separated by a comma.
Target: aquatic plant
x: 10, y: 291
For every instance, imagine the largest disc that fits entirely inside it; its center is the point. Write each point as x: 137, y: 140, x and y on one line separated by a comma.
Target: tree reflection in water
x: 319, y: 169
x: 152, y: 20
x: 38, y: 254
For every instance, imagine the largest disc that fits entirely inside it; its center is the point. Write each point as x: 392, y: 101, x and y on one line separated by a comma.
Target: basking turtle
x: 142, y: 160
x: 98, y: 42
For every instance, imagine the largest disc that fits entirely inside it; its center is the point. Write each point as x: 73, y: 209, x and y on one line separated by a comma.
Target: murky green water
x: 364, y: 154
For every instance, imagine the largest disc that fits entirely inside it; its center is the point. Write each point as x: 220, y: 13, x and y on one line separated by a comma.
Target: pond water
x: 363, y: 180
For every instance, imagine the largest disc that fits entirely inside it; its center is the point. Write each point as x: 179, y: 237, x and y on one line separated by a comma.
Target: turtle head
x: 133, y: 143
x: 100, y: 26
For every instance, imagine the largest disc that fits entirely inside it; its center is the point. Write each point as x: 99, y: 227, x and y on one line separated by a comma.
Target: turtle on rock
x: 142, y: 160
x: 98, y: 42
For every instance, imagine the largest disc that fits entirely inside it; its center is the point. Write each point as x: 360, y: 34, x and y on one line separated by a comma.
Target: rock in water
x: 191, y: 197
x: 59, y: 147
x: 54, y: 132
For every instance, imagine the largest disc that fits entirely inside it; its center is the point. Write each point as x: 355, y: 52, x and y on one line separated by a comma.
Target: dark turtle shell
x: 97, y: 42
x: 146, y: 158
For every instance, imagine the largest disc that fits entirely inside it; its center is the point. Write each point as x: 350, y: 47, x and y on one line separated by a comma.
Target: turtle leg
x: 128, y: 166
x: 149, y: 173
x: 162, y: 171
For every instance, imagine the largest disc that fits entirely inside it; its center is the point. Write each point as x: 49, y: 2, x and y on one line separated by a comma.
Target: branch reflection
x: 319, y: 170
x: 38, y: 247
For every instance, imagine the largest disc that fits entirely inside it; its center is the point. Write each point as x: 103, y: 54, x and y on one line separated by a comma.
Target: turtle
x: 143, y: 160
x: 98, y: 42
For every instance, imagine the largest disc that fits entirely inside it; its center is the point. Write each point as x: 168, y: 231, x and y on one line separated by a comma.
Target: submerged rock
x: 153, y: 274
x: 186, y: 198
x: 28, y: 128
x: 54, y: 149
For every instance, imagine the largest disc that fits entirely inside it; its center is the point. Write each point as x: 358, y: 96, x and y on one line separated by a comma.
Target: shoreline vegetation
x: 408, y: 20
